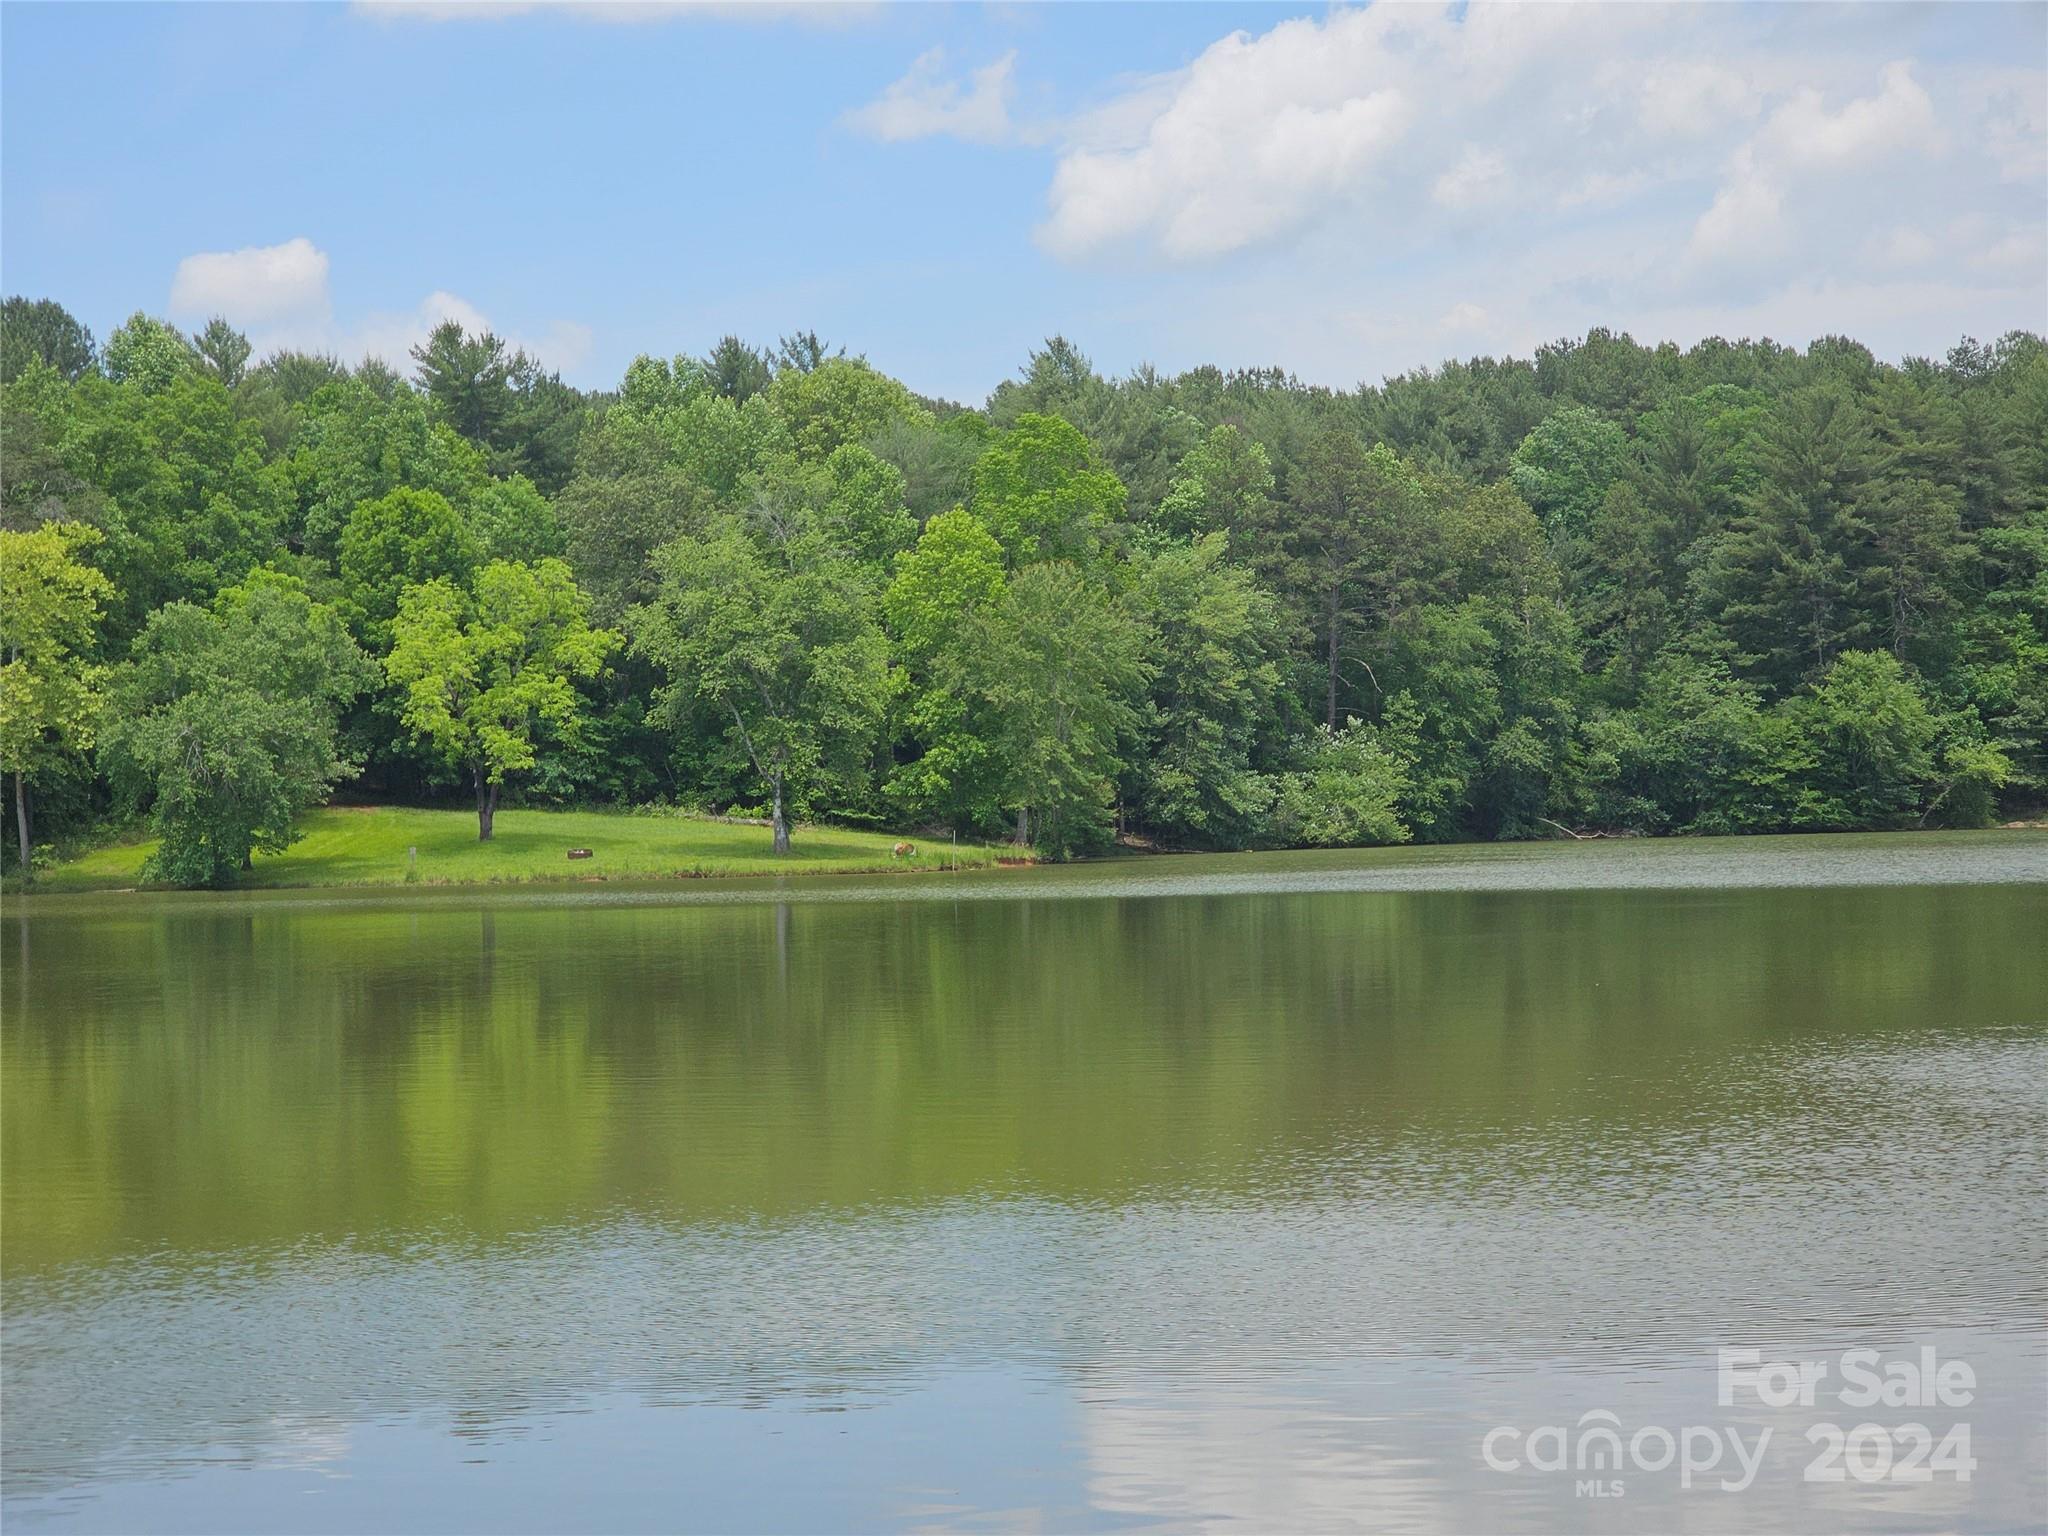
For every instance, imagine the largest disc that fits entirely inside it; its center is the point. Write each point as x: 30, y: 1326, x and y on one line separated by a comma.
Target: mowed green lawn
x: 367, y: 846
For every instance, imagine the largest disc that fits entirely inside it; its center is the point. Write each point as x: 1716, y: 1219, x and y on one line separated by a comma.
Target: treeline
x: 1732, y: 588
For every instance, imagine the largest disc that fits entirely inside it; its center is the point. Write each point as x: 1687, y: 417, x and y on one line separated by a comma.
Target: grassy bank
x: 368, y: 846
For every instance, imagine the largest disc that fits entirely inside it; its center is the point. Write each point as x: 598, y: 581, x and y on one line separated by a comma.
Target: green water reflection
x: 1282, y: 1126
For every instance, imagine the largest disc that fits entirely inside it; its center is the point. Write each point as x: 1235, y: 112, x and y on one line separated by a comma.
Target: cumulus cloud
x: 1479, y: 177
x: 1453, y: 175
x: 2014, y: 129
x: 1690, y: 97
x: 1745, y: 221
x: 2019, y: 253
x: 1903, y: 245
x: 279, y: 295
x: 390, y: 336
x: 257, y: 285
x: 563, y: 345
x: 1258, y: 135
x: 1804, y: 139
x: 1805, y: 134
x: 1363, y: 111
x: 926, y: 104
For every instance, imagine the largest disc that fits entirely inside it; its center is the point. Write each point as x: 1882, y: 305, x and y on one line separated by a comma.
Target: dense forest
x: 1736, y: 588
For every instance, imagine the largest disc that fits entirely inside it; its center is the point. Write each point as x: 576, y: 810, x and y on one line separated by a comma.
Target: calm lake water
x: 1260, y: 1192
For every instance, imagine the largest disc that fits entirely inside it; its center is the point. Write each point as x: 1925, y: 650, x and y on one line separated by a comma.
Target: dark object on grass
x: 579, y: 853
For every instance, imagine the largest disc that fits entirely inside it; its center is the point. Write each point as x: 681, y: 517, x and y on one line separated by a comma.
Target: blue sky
x: 1346, y: 193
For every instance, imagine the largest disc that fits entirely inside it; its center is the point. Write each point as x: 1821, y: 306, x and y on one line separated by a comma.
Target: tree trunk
x: 775, y: 818
x: 21, y: 826
x: 486, y: 806
x: 1023, y: 826
x: 1330, y: 685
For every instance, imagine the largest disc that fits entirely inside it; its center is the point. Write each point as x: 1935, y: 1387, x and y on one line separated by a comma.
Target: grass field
x: 368, y: 846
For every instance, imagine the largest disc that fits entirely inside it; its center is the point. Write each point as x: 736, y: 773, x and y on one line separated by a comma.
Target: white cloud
x: 1365, y: 113
x: 1259, y: 134
x: 1690, y: 97
x: 390, y: 337
x: 1600, y: 188
x: 1376, y: 187
x: 1741, y: 149
x: 2015, y: 131
x: 2019, y: 253
x: 1901, y: 246
x: 1463, y: 316
x: 1744, y: 223
x: 278, y: 295
x: 257, y: 285
x: 1805, y: 134
x: 563, y: 346
x: 1800, y: 142
x: 925, y: 104
x: 1480, y: 176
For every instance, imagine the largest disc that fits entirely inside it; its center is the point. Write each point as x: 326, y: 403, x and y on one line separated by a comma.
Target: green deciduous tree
x: 1061, y: 669
x: 1443, y: 708
x: 404, y: 539
x: 838, y: 401
x: 1224, y: 485
x: 935, y: 459
x: 1044, y: 491
x: 851, y: 502
x: 482, y: 673
x: 1564, y: 467
x: 932, y: 607
x: 354, y: 444
x: 50, y: 684
x: 148, y: 353
x: 775, y: 647
x: 1345, y: 794
x: 1871, y: 736
x: 512, y: 520
x: 615, y: 522
x: 227, y: 724
x: 1690, y: 756
x: 1216, y: 640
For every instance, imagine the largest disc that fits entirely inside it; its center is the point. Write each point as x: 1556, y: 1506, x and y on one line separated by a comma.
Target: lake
x: 1279, y: 1192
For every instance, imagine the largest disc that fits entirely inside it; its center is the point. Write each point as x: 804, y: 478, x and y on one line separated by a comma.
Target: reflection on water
x: 1252, y: 1202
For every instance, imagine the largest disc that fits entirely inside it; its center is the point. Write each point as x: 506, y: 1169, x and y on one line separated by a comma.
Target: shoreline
x: 403, y: 848
x: 557, y: 882
x: 982, y: 859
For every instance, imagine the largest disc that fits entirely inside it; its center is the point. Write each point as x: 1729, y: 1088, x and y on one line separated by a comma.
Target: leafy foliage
x: 1059, y: 668
x: 226, y: 724
x: 1346, y: 794
x: 51, y: 688
x: 1733, y: 588
x: 481, y: 673
x: 45, y: 332
x: 773, y: 644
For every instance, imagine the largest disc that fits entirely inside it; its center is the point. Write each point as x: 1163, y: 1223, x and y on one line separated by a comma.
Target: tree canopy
x: 226, y: 721
x: 1739, y: 587
x: 482, y: 671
